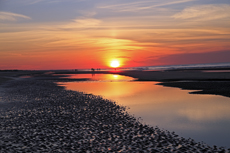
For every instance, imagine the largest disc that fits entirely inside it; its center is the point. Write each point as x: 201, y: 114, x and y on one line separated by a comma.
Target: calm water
x: 201, y: 117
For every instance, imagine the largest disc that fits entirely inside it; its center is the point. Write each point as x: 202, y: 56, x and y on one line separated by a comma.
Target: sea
x: 202, y: 117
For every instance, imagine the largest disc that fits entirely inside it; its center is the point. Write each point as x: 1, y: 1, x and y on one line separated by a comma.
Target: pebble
x: 39, y: 116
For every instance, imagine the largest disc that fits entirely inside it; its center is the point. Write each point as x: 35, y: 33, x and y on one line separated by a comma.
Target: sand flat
x: 176, y: 75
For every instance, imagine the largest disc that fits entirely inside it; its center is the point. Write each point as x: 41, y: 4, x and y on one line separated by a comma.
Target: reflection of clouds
x: 169, y: 108
x: 207, y: 111
x: 108, y: 89
x: 186, y: 126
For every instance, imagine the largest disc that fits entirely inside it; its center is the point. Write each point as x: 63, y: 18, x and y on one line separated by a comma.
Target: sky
x: 80, y: 34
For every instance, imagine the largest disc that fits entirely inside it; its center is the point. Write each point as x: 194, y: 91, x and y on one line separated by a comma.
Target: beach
x: 210, y: 82
x: 39, y: 116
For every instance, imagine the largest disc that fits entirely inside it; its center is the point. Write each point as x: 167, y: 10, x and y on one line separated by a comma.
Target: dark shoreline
x: 216, y: 83
x: 37, y: 115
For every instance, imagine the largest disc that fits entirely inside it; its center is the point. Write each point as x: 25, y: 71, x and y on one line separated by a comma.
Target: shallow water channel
x: 201, y: 117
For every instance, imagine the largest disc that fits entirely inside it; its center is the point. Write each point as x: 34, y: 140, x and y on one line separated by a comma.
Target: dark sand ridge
x: 6, y: 75
x: 3, y: 80
x: 186, y: 75
x: 204, y: 82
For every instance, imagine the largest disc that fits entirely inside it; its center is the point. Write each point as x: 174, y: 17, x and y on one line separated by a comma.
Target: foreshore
x: 205, y: 81
x: 216, y: 83
x: 36, y: 115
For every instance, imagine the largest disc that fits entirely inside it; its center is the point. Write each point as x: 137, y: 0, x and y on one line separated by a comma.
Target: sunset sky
x: 74, y: 34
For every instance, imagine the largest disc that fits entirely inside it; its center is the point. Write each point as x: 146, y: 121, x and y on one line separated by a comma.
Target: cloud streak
x: 165, y: 4
x: 9, y: 16
x: 144, y: 5
x: 87, y: 22
x: 205, y: 12
x: 32, y: 2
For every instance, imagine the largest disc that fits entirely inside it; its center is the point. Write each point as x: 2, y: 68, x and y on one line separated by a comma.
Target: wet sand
x: 216, y: 83
x: 38, y: 116
x: 204, y: 80
x: 183, y: 75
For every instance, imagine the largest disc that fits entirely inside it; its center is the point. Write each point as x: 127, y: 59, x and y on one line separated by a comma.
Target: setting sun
x: 115, y: 64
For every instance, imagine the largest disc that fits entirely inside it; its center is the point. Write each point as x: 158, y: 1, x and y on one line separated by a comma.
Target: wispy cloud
x: 35, y: 1
x: 31, y: 2
x: 9, y: 16
x: 143, y: 5
x: 28, y: 2
x: 124, y: 4
x: 165, y: 4
x: 205, y: 12
x: 81, y: 23
x: 87, y: 22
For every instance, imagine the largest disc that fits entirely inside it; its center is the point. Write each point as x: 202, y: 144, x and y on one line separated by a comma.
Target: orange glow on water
x: 181, y: 112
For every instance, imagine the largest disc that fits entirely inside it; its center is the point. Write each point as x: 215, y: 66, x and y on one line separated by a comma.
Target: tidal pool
x: 201, y: 117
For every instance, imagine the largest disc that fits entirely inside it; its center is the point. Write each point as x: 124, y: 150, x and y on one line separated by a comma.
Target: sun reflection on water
x: 101, y: 77
x: 201, y: 117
